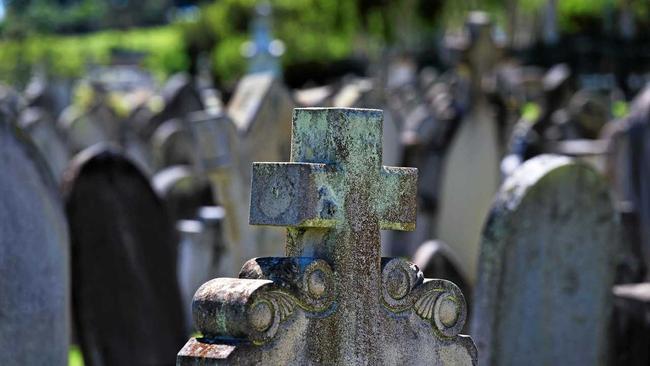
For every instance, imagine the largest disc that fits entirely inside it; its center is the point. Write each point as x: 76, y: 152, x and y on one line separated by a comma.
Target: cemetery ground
x: 481, y: 201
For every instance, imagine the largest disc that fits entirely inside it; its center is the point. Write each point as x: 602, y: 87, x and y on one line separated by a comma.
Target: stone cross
x: 334, y: 299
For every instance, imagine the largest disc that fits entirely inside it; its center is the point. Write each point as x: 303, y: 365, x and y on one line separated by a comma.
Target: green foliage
x: 69, y: 56
x: 28, y: 17
x: 530, y: 111
x: 312, y: 30
x: 620, y: 109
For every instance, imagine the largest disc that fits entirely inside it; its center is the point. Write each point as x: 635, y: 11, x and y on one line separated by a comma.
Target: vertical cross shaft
x: 334, y: 197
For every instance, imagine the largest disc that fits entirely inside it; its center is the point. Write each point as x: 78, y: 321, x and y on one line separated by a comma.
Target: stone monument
x: 333, y: 299
x: 34, y: 276
x: 547, y: 265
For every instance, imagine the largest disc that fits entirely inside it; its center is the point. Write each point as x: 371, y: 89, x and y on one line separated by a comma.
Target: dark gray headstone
x: 546, y: 268
x: 34, y: 283
x: 631, y: 324
x: 42, y: 130
x: 179, y: 96
x: 125, y: 292
x: 183, y: 191
x: 172, y: 144
x: 629, y: 170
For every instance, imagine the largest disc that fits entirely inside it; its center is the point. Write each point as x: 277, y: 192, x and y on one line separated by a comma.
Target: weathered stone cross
x: 334, y: 298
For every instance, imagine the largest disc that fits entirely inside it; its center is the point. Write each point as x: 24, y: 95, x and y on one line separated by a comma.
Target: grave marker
x: 334, y: 299
x: 125, y: 292
x: 547, y: 266
x: 43, y: 133
x: 261, y: 111
x: 470, y: 173
x: 34, y: 278
x: 182, y: 190
x: 172, y: 144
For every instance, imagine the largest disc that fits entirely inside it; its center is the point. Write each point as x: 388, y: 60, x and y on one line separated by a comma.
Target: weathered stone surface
x: 546, y: 268
x: 126, y: 300
x: 334, y: 300
x: 436, y: 260
x: 34, y: 281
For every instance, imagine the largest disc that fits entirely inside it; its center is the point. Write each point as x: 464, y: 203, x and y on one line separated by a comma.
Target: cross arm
x: 397, y: 198
x: 291, y: 194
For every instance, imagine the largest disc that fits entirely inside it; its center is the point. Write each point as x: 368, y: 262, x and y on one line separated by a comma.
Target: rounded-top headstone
x: 33, y: 257
x: 546, y: 267
x: 124, y: 291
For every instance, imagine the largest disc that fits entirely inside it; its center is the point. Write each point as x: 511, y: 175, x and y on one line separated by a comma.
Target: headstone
x: 261, y: 110
x: 172, y: 144
x: 81, y: 129
x: 628, y: 167
x: 333, y: 300
x: 11, y: 103
x: 200, y: 249
x: 547, y: 265
x: 218, y: 146
x: 179, y: 98
x: 314, y: 96
x: 126, y: 300
x: 42, y: 130
x: 470, y: 173
x: 34, y: 278
x: 182, y: 190
x: 631, y: 324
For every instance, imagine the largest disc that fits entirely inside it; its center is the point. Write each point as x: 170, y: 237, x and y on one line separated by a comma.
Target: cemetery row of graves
x: 409, y: 217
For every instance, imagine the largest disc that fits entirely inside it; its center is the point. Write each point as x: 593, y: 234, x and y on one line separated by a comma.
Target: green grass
x: 75, y: 358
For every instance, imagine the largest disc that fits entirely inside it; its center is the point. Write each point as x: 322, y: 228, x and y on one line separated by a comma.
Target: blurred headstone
x: 218, y: 147
x: 470, y: 173
x: 629, y: 170
x: 631, y: 323
x: 93, y: 122
x: 11, y: 103
x: 200, y: 248
x: 125, y: 293
x: 182, y: 190
x: 178, y: 98
x: 547, y: 266
x: 261, y: 110
x: 34, y: 248
x: 172, y: 144
x: 42, y: 130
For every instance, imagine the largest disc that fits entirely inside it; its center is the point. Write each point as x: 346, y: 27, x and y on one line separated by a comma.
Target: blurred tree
x: 25, y: 17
